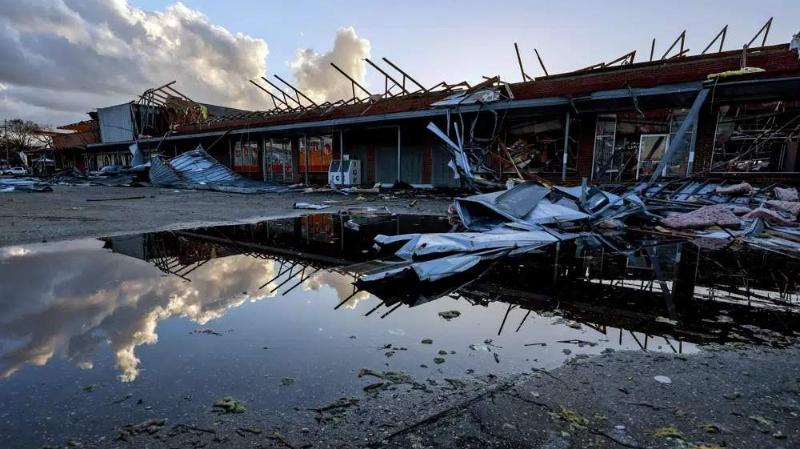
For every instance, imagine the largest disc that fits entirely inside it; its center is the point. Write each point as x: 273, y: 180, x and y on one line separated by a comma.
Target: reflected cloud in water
x: 60, y: 301
x: 341, y: 283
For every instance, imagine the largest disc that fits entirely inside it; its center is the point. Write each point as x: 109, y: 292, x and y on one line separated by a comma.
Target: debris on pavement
x: 8, y: 185
x: 450, y: 314
x: 333, y: 412
x: 662, y: 379
x: 311, y: 206
x: 149, y: 427
x: 229, y: 405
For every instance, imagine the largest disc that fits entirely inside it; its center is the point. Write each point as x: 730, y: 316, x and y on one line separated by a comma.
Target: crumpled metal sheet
x: 197, y: 169
x: 460, y: 98
x: 161, y: 174
x: 523, y: 206
x: 430, y: 271
x: 23, y: 185
x: 499, y: 224
x: 426, y: 246
x: 460, y: 162
x: 436, y: 256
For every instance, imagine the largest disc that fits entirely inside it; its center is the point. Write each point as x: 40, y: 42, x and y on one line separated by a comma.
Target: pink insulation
x: 769, y: 216
x: 789, y: 194
x: 706, y: 216
x: 742, y: 188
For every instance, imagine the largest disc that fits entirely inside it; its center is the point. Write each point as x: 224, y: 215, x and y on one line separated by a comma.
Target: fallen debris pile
x: 530, y: 216
x: 196, y: 169
x: 8, y: 185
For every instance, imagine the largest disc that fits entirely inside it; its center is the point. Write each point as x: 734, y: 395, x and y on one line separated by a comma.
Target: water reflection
x: 74, y: 297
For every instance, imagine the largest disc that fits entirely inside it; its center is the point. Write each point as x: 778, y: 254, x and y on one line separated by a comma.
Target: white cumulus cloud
x: 61, y: 58
x: 316, y: 77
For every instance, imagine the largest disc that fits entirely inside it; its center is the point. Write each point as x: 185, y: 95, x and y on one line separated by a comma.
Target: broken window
x: 245, y: 157
x: 651, y: 149
x: 278, y: 160
x: 606, y: 159
x: 681, y: 161
x: 537, y: 146
x: 316, y: 154
x: 630, y: 145
x: 760, y: 137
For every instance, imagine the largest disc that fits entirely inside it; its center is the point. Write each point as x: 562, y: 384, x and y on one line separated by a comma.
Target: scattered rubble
x: 8, y: 185
x: 311, y: 206
x: 149, y: 427
x: 333, y: 412
x: 450, y: 314
x: 229, y: 405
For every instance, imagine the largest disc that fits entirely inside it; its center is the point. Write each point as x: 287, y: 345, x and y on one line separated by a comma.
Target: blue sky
x: 462, y: 40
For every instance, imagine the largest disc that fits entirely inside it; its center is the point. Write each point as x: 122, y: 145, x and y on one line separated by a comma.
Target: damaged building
x: 611, y: 123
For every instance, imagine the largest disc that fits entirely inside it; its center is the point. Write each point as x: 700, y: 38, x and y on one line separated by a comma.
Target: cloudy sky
x: 62, y: 58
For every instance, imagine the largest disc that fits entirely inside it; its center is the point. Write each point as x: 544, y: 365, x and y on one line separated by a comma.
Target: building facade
x: 733, y: 114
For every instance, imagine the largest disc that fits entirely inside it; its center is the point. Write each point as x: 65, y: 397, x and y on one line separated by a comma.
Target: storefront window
x: 606, y: 160
x: 245, y: 157
x: 278, y: 160
x: 316, y: 154
x: 630, y: 146
x: 756, y: 137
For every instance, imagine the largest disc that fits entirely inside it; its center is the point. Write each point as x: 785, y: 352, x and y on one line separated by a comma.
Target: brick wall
x: 775, y: 60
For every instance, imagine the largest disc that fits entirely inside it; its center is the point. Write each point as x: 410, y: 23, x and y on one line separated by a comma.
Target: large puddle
x: 95, y: 334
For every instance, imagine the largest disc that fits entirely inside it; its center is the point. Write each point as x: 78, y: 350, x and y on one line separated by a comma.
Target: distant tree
x: 19, y: 135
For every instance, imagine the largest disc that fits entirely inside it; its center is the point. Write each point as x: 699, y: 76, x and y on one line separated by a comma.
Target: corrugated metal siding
x: 116, y: 124
x: 411, y: 164
x: 441, y: 174
x: 386, y: 164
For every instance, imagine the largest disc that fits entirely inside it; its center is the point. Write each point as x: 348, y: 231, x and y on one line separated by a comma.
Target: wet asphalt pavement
x: 723, y: 398
x: 732, y: 395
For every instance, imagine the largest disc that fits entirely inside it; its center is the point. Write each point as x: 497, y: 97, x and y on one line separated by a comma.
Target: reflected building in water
x: 672, y: 289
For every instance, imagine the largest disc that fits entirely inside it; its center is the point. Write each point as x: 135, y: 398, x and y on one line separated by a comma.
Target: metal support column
x: 566, y: 147
x: 305, y: 152
x: 341, y: 145
x: 398, y: 154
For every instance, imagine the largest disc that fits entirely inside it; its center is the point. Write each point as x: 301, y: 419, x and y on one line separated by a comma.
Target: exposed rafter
x: 720, y: 36
x: 297, y: 92
x: 353, y: 83
x: 525, y: 76
x: 286, y: 97
x: 541, y: 63
x: 406, y: 76
x: 275, y: 99
x: 681, y: 50
x: 387, y: 92
x: 763, y: 30
x: 625, y: 59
